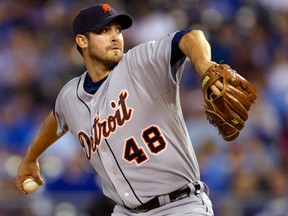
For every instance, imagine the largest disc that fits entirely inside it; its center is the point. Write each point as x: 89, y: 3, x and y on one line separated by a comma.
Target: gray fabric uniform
x: 132, y: 129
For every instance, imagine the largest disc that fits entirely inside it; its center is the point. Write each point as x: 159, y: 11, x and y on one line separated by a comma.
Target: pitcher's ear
x: 81, y: 40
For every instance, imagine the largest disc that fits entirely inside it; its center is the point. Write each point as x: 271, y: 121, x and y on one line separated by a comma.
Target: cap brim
x: 123, y: 19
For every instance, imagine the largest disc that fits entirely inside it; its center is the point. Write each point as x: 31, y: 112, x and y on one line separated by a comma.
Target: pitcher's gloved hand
x: 228, y: 110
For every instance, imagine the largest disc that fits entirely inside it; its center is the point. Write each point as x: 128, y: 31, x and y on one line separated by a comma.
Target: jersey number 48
x: 154, y: 141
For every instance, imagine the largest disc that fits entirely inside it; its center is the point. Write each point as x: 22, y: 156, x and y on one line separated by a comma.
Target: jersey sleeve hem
x: 177, y: 56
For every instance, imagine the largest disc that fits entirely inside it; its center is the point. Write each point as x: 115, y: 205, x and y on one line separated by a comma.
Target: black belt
x: 173, y: 196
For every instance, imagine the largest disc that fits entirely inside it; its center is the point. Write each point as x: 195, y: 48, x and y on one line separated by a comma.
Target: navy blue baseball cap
x: 97, y: 16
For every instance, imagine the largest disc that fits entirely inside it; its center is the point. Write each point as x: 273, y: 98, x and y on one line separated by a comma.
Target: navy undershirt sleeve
x: 176, y: 53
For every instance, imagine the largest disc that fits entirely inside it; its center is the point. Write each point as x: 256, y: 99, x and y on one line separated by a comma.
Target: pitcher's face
x: 106, y: 45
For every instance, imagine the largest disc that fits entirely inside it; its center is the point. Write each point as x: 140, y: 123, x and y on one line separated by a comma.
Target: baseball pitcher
x: 126, y: 113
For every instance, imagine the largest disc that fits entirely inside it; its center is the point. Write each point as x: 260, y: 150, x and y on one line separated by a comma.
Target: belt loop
x: 164, y: 199
x: 161, y: 200
x: 192, y: 187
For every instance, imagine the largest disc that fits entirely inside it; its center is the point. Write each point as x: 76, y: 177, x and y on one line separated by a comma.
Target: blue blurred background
x: 247, y: 177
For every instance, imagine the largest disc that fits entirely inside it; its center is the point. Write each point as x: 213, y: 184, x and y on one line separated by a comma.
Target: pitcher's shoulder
x: 72, y: 84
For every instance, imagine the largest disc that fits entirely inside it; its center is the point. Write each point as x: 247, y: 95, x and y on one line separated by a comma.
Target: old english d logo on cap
x: 105, y: 7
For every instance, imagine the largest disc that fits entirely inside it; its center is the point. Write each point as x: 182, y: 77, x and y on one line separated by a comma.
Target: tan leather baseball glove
x: 228, y: 111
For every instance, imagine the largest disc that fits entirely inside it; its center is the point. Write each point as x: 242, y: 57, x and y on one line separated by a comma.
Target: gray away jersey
x: 132, y: 129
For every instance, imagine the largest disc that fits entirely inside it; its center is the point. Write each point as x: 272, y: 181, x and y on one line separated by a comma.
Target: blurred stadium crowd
x: 247, y: 177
